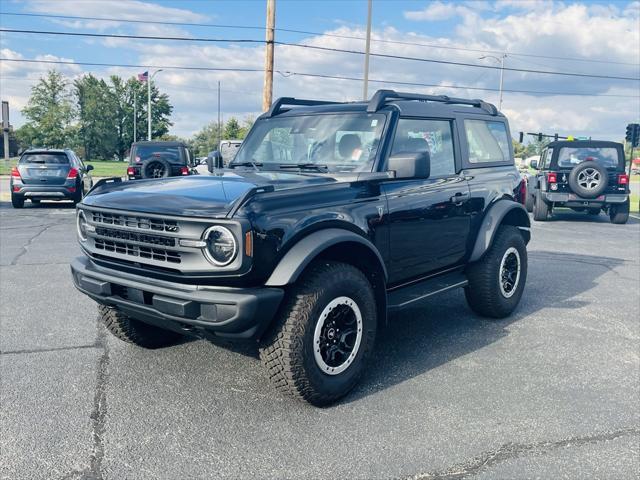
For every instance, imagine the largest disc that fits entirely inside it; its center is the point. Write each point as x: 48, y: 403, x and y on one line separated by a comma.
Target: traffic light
x: 555, y: 137
x: 521, y: 137
x: 633, y: 134
x: 540, y: 137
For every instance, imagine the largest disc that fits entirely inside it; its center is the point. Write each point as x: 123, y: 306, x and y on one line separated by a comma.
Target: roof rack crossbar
x: 282, y: 101
x: 382, y: 96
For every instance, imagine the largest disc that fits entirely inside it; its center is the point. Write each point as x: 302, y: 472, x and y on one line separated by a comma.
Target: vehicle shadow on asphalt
x: 444, y: 329
x: 28, y: 205
x: 565, y: 214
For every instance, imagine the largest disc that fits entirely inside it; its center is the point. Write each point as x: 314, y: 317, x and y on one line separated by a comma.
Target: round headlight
x: 221, y: 245
x: 81, y: 226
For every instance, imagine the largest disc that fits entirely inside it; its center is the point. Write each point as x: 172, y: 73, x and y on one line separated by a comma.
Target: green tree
x: 232, y: 129
x: 50, y: 113
x: 97, y: 117
x: 206, y: 140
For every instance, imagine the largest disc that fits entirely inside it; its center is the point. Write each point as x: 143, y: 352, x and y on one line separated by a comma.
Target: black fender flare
x: 517, y: 216
x: 306, y: 249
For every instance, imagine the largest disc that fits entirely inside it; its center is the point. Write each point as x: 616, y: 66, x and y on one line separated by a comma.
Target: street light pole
x: 500, y: 60
x: 149, y: 103
x: 367, y: 48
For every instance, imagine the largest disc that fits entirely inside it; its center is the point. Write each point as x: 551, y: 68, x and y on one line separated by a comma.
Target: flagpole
x: 149, y: 78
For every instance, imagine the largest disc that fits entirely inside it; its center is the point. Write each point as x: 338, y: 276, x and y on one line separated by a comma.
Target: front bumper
x: 240, y: 313
x: 573, y: 200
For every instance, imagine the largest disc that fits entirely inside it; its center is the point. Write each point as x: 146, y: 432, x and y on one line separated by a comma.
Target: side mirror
x: 534, y: 164
x: 214, y: 160
x: 89, y: 167
x: 410, y: 164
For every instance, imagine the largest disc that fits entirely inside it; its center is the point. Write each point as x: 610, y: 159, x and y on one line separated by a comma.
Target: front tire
x: 619, y: 214
x: 540, y: 208
x: 497, y: 280
x: 134, y: 331
x: 306, y: 354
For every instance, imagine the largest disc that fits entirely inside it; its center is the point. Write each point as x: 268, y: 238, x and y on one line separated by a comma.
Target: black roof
x: 153, y: 143
x: 46, y: 150
x: 584, y: 143
x: 407, y: 103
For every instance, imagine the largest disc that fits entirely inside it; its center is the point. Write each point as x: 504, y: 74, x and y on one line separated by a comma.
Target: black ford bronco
x: 584, y: 175
x: 331, y: 216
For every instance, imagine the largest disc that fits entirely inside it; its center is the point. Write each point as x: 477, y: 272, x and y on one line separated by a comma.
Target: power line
x: 307, y: 32
x: 327, y: 49
x: 286, y: 73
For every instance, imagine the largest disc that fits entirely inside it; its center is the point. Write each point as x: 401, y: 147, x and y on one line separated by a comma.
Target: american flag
x: 143, y: 77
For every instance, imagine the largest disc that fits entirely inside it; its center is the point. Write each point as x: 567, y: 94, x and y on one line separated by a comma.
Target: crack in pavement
x: 514, y: 450
x: 26, y: 245
x: 51, y: 349
x: 98, y: 414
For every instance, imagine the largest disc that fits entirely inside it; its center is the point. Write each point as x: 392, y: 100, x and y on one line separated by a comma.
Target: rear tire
x: 540, y: 208
x: 529, y: 201
x: 619, y: 214
x: 17, y: 201
x: 134, y: 331
x: 328, y: 297
x: 497, y: 280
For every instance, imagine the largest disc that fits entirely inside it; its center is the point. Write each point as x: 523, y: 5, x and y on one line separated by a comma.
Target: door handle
x: 459, y: 198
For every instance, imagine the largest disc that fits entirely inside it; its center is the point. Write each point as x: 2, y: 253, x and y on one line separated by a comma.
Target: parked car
x: 330, y: 216
x: 159, y: 159
x: 584, y: 175
x: 48, y: 174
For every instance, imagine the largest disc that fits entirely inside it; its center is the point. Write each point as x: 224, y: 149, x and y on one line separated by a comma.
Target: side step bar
x: 408, y: 296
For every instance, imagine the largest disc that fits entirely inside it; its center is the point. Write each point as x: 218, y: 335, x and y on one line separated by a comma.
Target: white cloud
x: 434, y: 11
x: 560, y: 30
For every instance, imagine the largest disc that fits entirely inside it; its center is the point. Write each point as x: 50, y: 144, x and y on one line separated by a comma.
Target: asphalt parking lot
x: 552, y: 392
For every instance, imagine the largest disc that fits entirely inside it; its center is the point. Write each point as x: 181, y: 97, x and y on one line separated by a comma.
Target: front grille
x: 138, y: 222
x: 139, y: 251
x: 136, y: 237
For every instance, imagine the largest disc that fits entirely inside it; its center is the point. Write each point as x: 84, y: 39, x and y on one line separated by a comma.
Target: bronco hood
x: 194, y: 195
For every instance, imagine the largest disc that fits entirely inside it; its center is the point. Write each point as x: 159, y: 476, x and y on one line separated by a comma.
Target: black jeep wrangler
x: 159, y: 159
x: 584, y: 175
x: 331, y: 216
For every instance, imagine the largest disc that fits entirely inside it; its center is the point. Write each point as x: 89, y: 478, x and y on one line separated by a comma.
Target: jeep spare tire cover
x: 589, y: 179
x: 155, y: 168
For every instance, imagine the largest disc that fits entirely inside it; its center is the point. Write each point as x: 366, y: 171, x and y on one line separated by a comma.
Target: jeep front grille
x: 137, y: 222
x: 134, y: 250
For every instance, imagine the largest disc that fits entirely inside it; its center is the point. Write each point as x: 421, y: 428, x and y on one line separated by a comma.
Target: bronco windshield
x: 605, y: 156
x: 324, y: 142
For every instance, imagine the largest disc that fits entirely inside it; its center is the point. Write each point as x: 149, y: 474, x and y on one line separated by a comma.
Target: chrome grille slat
x: 134, y: 250
x: 135, y: 221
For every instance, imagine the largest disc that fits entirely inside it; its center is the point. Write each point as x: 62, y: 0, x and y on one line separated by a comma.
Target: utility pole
x: 367, y: 48
x: 149, y: 103
x: 135, y: 117
x: 219, y: 123
x: 5, y: 128
x: 267, y: 91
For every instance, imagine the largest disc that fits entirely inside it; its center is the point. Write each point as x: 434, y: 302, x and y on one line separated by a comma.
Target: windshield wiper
x: 246, y: 164
x: 304, y: 166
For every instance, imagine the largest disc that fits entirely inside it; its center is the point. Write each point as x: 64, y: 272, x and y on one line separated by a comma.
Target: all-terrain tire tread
x: 279, y: 347
x: 133, y: 331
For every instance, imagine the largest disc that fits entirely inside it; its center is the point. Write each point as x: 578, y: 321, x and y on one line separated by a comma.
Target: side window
x: 433, y: 136
x: 488, y: 141
x: 547, y: 158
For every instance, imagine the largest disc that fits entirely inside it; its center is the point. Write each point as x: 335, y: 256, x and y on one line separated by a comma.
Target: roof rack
x: 382, y: 96
x: 282, y: 101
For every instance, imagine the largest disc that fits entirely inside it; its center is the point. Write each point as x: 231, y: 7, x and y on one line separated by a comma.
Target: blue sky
x: 585, y: 37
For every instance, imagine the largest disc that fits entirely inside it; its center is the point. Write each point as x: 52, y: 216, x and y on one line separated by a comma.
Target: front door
x: 428, y: 218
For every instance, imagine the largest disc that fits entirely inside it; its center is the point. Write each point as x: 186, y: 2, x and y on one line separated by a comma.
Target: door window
x: 433, y: 136
x: 488, y: 141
